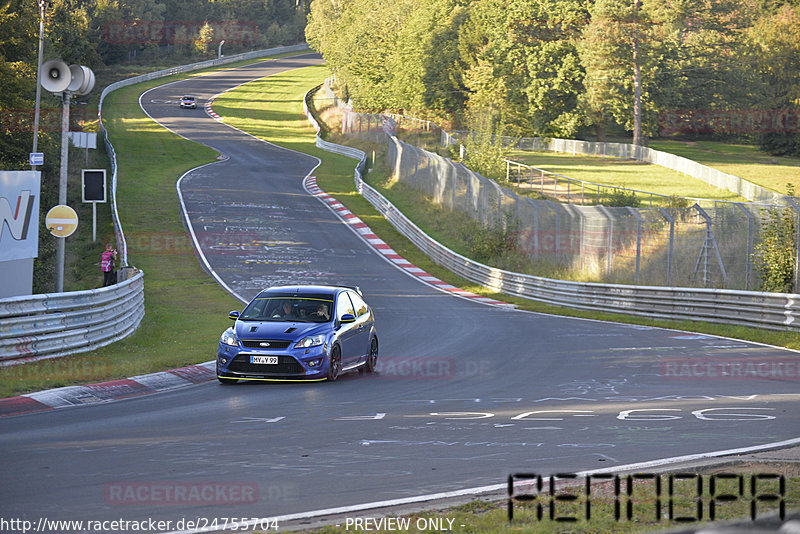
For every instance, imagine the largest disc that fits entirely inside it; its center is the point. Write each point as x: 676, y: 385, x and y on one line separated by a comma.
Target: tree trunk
x: 637, y: 85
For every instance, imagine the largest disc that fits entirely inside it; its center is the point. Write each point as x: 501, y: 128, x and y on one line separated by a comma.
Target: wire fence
x: 673, y: 241
x: 673, y: 246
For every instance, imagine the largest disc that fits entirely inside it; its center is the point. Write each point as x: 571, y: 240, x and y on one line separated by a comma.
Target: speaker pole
x: 62, y: 187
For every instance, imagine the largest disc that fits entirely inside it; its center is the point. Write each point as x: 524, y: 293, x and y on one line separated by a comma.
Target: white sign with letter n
x: 19, y: 214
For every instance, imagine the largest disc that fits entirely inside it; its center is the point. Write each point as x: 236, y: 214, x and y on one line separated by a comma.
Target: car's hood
x: 277, y: 329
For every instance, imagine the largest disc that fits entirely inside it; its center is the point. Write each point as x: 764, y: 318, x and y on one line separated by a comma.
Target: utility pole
x: 38, y: 80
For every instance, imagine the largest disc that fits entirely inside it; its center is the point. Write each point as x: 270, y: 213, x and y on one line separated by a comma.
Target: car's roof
x: 303, y: 290
x: 187, y: 96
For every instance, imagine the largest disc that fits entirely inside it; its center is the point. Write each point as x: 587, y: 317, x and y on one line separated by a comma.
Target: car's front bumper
x: 293, y: 364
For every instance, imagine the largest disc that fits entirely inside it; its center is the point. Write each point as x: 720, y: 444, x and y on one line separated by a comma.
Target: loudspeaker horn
x: 56, y: 76
x: 88, y: 81
x: 76, y: 78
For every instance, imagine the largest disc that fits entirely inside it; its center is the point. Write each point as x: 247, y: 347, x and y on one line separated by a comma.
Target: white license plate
x: 268, y: 360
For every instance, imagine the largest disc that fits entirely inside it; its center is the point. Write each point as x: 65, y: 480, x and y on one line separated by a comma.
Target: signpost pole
x: 94, y: 222
x: 62, y: 188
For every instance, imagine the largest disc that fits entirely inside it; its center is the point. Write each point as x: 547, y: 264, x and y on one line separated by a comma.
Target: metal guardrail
x: 776, y: 311
x: 58, y: 324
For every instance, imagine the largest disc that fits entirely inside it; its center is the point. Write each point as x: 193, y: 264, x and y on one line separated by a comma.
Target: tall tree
x: 644, y: 56
x: 776, y: 56
x: 520, y: 59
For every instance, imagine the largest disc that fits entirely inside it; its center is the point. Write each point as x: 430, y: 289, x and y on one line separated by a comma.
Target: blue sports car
x: 293, y: 333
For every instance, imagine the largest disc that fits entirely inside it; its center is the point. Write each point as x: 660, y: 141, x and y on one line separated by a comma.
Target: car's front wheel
x: 335, y: 365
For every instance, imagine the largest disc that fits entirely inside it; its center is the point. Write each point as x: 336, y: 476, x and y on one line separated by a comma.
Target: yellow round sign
x: 61, y: 220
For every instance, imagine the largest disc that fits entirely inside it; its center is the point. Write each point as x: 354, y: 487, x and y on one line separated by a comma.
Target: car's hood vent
x: 276, y: 330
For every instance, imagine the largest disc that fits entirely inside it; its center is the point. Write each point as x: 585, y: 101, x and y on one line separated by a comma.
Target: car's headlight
x: 310, y: 341
x: 229, y: 338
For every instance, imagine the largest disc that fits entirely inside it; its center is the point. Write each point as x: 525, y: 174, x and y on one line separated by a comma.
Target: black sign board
x: 94, y: 185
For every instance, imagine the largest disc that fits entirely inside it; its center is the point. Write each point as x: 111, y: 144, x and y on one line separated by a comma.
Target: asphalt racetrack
x: 468, y: 393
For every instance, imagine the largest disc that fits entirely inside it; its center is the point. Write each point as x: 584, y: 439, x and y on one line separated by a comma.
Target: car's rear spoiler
x: 356, y: 289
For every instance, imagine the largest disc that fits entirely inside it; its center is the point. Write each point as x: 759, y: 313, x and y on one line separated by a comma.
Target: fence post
x: 671, y: 221
x: 748, y: 266
x: 535, y: 206
x: 638, y: 216
x: 555, y: 207
x: 609, y: 239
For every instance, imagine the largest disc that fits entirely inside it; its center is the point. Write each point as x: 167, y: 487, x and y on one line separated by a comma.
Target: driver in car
x: 321, y: 314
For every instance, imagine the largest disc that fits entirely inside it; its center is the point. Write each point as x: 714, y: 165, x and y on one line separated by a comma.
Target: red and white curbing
x: 105, y: 392
x: 361, y: 228
x: 210, y: 111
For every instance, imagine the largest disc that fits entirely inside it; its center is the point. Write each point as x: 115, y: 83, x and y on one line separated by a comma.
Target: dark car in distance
x: 299, y: 333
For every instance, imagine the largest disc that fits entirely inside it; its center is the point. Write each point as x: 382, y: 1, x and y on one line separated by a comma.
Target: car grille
x: 273, y: 343
x: 286, y: 366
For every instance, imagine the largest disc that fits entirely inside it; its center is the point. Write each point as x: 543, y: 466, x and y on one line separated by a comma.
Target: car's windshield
x: 297, y: 309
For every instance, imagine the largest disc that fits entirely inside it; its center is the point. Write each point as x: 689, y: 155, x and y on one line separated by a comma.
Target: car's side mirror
x: 233, y: 315
x: 347, y: 318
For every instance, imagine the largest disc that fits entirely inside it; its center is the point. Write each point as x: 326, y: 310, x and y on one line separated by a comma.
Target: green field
x: 623, y: 173
x: 744, y: 161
